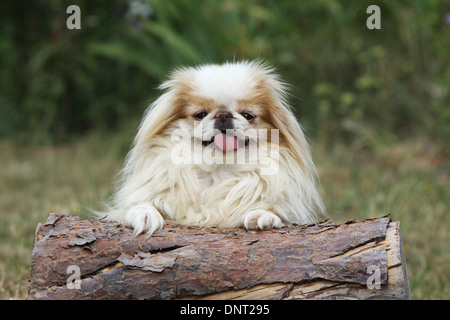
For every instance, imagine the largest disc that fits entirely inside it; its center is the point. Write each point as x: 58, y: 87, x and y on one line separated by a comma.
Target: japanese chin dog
x: 219, y: 148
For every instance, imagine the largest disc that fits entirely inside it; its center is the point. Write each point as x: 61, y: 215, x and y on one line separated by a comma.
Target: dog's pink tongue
x: 225, y: 142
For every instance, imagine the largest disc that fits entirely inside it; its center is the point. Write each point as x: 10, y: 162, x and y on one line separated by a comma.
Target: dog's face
x: 228, y: 126
x: 225, y: 106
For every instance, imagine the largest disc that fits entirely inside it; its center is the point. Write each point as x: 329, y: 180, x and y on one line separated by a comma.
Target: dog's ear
x: 271, y: 92
x: 291, y: 135
x: 170, y: 106
x: 157, y: 117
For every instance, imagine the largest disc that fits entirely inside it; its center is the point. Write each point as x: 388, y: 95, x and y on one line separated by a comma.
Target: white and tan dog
x: 220, y: 147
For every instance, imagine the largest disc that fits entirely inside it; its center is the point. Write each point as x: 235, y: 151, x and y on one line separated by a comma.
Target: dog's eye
x: 200, y: 115
x: 248, y: 116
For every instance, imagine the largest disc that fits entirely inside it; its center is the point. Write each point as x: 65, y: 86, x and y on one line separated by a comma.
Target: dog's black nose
x: 224, y: 121
x: 223, y: 115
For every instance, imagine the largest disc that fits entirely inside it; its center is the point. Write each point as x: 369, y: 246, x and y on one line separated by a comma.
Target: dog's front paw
x: 261, y: 219
x: 144, y: 218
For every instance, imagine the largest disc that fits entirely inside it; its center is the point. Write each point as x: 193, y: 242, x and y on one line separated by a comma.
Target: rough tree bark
x: 353, y: 260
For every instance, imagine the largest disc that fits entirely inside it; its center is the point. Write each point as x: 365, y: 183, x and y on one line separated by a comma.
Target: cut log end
x: 74, y: 258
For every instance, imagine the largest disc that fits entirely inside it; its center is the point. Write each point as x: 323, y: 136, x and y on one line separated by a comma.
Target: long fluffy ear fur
x: 167, y: 108
x: 282, y: 117
x: 294, y: 144
x: 156, y: 118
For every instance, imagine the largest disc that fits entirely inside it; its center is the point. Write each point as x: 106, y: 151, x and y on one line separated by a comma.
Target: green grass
x: 408, y: 180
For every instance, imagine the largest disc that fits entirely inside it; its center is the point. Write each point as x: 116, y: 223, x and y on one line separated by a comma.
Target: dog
x: 220, y: 147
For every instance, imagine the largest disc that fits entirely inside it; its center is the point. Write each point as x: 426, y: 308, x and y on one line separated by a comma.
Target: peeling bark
x: 325, y: 260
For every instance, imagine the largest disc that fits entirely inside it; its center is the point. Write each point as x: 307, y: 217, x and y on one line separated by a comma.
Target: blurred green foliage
x: 348, y: 82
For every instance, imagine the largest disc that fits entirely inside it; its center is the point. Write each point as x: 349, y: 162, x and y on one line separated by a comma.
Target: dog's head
x: 225, y: 106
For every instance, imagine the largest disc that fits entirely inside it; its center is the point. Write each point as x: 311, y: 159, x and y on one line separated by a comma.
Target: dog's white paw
x: 144, y: 218
x: 261, y: 219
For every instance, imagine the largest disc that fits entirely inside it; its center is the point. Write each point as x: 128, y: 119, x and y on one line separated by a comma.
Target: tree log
x: 74, y: 258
